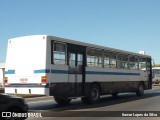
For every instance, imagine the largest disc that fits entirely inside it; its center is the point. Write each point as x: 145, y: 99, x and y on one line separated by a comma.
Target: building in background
x: 2, y: 72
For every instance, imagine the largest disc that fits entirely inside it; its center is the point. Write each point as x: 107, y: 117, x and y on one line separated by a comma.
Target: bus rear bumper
x: 24, y: 90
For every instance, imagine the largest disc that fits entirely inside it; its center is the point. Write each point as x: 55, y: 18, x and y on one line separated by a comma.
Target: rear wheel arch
x: 142, y: 82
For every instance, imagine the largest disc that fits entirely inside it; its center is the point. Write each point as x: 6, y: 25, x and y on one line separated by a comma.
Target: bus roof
x: 85, y: 44
x: 97, y: 46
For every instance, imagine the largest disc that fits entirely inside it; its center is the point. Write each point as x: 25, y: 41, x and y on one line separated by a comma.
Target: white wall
x: 2, y: 73
x: 1, y: 77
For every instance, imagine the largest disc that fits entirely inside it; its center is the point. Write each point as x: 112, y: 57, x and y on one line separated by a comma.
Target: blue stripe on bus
x: 66, y: 72
x: 42, y: 71
x: 111, y: 73
x: 60, y: 71
x: 51, y: 71
x: 10, y: 72
x: 87, y: 72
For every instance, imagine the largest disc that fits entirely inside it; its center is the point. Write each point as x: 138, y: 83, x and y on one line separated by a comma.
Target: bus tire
x: 140, y: 90
x: 93, y: 95
x: 62, y: 101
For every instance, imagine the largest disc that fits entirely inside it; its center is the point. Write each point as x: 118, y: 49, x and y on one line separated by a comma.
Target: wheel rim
x: 95, y: 94
x: 141, y: 89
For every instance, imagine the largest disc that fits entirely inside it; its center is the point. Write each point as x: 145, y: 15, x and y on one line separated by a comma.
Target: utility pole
x: 153, y: 63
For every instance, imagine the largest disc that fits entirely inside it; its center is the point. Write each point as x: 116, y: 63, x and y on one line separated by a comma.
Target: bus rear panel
x: 25, y: 66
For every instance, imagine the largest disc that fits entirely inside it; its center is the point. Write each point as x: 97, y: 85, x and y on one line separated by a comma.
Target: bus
x: 68, y: 69
x: 2, y: 69
x: 156, y: 75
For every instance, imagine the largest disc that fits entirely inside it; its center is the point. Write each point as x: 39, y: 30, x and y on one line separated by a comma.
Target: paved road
x: 120, y: 106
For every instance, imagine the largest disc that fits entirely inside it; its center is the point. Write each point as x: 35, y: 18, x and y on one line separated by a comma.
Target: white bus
x: 156, y: 75
x: 67, y: 69
x: 2, y: 70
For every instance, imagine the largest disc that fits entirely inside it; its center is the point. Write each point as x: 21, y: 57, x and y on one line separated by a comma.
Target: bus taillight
x: 43, y: 79
x: 6, y: 79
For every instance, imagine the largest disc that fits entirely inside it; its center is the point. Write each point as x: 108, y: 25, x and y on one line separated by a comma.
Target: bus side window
x: 94, y: 58
x: 133, y: 62
x: 59, y: 53
x: 109, y: 59
x: 142, y: 63
x: 122, y: 61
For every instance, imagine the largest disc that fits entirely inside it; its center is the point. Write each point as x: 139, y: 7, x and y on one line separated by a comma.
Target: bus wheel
x: 140, y: 90
x: 93, y: 95
x: 62, y: 101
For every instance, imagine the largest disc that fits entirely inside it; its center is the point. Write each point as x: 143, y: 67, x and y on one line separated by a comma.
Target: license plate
x: 23, y: 80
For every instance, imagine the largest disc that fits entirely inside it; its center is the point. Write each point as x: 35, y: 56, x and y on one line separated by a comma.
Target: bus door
x: 76, y: 69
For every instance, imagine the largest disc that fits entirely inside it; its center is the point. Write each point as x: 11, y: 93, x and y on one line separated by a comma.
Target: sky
x: 131, y: 25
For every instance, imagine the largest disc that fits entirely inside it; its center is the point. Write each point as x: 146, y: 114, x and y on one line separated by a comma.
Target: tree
x: 156, y: 65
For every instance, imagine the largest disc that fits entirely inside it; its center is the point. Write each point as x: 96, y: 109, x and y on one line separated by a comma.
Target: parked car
x: 10, y: 104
